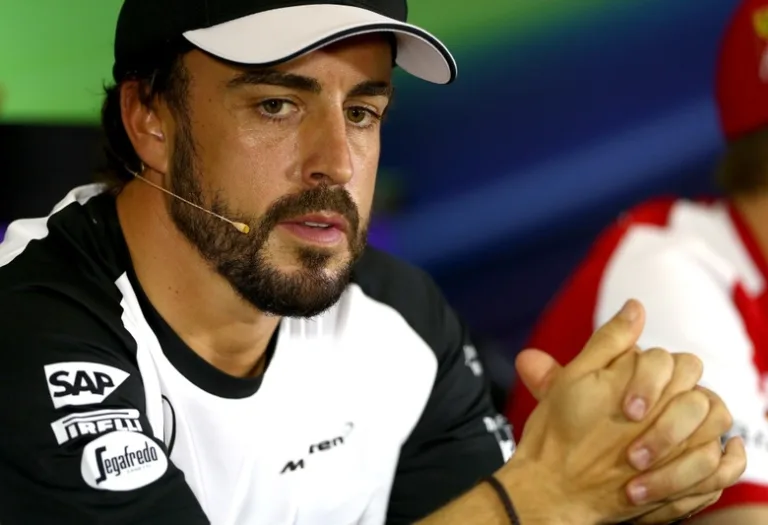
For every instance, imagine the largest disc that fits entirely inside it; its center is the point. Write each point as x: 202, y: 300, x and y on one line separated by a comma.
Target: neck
x: 199, y: 304
x: 754, y: 209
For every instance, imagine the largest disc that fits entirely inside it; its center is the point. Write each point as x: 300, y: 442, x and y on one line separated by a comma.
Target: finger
x: 677, y: 509
x: 679, y: 421
x: 731, y: 468
x: 537, y: 370
x: 610, y: 340
x: 719, y: 420
x: 653, y: 372
x: 688, y: 371
x: 680, y: 475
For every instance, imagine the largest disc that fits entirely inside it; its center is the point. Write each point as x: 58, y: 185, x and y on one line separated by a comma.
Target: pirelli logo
x: 94, y: 423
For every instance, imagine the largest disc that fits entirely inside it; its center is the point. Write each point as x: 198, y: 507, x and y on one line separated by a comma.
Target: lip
x: 333, y: 220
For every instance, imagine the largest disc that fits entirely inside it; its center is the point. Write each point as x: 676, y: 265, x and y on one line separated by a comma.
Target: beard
x: 243, y: 259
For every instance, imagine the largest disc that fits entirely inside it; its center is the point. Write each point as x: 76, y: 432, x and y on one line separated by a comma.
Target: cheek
x: 247, y: 163
x: 364, y: 182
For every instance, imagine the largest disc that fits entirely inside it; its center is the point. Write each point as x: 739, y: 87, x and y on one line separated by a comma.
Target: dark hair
x: 743, y: 168
x: 166, y: 78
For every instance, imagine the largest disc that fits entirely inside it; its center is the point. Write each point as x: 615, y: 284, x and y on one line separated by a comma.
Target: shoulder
x: 411, y: 292
x: 657, y: 238
x: 58, y: 289
x: 697, y: 251
x: 666, y: 252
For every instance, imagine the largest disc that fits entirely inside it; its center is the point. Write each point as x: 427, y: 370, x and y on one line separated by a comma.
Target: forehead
x: 367, y: 57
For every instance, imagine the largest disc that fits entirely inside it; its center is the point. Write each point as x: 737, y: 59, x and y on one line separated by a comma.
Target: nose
x: 328, y: 159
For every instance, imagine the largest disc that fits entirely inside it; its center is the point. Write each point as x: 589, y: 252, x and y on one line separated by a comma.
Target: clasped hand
x: 627, y: 435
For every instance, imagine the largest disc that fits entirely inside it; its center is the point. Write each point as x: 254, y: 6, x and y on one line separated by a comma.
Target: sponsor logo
x: 80, y: 383
x: 753, y: 435
x: 472, y: 361
x: 502, y: 431
x: 169, y: 425
x: 322, y: 446
x: 292, y: 465
x: 94, y: 423
x: 122, y: 461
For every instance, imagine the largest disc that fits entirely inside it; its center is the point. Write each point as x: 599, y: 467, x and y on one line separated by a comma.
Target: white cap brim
x: 279, y: 35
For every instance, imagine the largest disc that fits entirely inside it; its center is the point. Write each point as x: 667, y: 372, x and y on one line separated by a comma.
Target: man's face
x: 291, y: 151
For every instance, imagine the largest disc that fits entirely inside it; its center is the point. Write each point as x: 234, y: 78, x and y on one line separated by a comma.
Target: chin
x: 320, y: 261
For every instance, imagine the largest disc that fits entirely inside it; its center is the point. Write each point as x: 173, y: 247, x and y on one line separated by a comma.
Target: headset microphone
x: 239, y: 226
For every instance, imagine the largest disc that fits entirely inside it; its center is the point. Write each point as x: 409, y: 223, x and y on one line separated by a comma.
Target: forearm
x: 531, y: 495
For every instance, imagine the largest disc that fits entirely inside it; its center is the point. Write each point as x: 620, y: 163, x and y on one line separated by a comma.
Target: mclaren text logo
x: 94, y: 423
x: 122, y: 461
x: 81, y: 383
x: 322, y: 446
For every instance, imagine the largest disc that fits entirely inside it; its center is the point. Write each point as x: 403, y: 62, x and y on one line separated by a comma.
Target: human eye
x: 362, y: 117
x: 276, y: 108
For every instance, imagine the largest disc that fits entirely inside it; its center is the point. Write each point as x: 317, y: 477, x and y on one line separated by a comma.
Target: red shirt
x: 702, y: 279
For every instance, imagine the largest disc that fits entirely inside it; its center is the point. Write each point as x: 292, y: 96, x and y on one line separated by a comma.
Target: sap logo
x: 80, y: 383
x: 122, y: 461
x: 95, y: 422
x: 322, y: 446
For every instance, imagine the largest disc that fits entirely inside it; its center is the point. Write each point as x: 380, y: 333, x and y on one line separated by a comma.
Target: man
x: 699, y: 268
x: 209, y: 341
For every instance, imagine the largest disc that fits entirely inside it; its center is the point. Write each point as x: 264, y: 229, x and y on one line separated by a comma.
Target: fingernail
x: 630, y: 311
x: 638, y: 493
x: 640, y: 458
x: 636, y: 408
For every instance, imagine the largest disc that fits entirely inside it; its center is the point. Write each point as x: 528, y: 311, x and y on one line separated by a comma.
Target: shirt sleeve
x: 460, y: 437
x: 693, y: 304
x: 76, y: 446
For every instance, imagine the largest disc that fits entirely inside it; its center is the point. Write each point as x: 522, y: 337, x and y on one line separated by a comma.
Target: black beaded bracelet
x: 501, y: 492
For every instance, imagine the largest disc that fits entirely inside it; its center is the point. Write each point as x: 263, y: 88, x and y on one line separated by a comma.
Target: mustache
x: 315, y: 200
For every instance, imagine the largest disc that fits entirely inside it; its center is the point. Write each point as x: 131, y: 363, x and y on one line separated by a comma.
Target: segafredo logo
x: 122, y: 461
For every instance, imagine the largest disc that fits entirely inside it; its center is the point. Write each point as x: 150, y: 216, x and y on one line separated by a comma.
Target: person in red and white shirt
x: 700, y: 269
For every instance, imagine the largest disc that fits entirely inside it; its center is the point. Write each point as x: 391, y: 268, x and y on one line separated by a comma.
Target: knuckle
x: 694, y: 404
x: 701, y: 401
x: 690, y: 363
x: 724, y: 478
x: 714, y: 498
x: 722, y: 416
x: 608, y: 336
x: 665, y: 439
x: 658, y: 354
x: 711, y: 457
x: 677, y: 508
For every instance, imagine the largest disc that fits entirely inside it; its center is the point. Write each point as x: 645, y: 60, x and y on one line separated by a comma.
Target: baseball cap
x: 269, y: 32
x: 741, y: 87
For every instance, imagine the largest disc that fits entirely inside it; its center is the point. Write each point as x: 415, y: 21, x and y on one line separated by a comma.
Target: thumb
x: 611, y: 340
x: 537, y: 370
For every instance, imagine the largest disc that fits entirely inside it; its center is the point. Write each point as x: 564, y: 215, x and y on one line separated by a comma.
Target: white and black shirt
x: 374, y: 412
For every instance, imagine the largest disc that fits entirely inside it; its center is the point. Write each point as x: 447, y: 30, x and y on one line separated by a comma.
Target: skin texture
x: 260, y: 153
x: 262, y: 147
x: 571, y: 467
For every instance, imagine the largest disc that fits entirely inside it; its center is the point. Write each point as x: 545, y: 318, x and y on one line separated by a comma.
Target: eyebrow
x: 275, y: 78
x: 272, y: 77
x: 372, y: 88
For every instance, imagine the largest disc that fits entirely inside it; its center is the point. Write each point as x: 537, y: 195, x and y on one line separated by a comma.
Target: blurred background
x: 565, y: 113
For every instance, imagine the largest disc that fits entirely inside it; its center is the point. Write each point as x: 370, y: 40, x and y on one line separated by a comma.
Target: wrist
x: 539, y: 498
